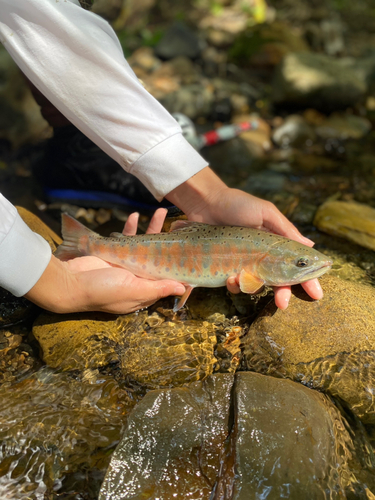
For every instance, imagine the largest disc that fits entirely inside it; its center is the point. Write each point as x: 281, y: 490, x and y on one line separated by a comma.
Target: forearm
x: 75, y: 59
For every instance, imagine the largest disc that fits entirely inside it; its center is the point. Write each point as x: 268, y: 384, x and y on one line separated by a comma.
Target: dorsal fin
x: 181, y: 225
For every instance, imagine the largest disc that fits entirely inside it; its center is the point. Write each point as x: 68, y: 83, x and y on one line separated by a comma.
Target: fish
x: 200, y: 255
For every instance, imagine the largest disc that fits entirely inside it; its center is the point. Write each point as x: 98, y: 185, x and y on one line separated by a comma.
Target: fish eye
x: 302, y: 262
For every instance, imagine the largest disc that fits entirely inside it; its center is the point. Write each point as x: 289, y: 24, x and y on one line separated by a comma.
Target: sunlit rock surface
x: 243, y: 436
x: 350, y: 220
x: 157, y: 352
x: 78, y: 341
x: 327, y: 344
x: 38, y: 226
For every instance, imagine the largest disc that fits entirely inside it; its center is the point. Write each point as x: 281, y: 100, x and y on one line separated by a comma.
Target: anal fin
x: 182, y: 300
x: 250, y: 283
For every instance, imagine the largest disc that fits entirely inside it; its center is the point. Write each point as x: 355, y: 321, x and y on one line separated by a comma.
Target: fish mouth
x: 316, y: 273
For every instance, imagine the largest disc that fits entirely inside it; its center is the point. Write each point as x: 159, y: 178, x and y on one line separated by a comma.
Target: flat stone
x: 352, y: 221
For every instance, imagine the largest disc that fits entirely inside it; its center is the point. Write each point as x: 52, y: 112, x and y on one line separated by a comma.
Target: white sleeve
x: 75, y: 59
x: 24, y: 255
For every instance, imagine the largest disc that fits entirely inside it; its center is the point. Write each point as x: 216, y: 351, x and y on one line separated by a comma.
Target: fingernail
x: 179, y: 290
x: 284, y: 304
x: 319, y: 291
x: 231, y: 281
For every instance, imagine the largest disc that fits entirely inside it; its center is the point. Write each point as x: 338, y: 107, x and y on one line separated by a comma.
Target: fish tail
x: 72, y: 231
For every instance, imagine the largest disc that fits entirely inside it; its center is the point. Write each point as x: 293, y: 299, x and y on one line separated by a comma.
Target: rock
x: 134, y: 15
x: 78, y: 341
x: 318, y: 81
x: 194, y: 100
x: 222, y: 27
x: 20, y: 118
x: 352, y: 221
x: 179, y: 40
x: 343, y: 126
x: 259, y: 435
x: 288, y: 442
x: 38, y: 226
x: 144, y: 59
x: 17, y: 357
x: 295, y: 131
x: 157, y: 352
x: 14, y: 310
x: 173, y: 443
x: 109, y: 9
x: 319, y: 342
x: 266, y: 44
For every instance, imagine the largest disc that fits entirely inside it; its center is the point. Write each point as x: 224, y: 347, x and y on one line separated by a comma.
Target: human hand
x: 205, y: 198
x: 91, y: 284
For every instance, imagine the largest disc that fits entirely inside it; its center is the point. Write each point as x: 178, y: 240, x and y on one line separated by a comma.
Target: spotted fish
x: 198, y: 254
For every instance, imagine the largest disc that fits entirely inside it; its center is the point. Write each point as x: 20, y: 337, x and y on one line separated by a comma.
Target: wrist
x: 56, y: 290
x: 197, y: 195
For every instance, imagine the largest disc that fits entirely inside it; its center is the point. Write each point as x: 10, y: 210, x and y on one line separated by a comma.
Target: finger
x: 131, y: 225
x: 274, y: 220
x: 313, y: 289
x: 282, y: 296
x: 232, y: 285
x: 147, y: 292
x: 157, y: 221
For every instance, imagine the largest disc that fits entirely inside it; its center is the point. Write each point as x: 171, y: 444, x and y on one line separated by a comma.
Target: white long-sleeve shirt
x: 75, y: 59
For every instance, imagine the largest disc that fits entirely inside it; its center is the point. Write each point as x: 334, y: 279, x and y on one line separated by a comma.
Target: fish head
x: 290, y: 263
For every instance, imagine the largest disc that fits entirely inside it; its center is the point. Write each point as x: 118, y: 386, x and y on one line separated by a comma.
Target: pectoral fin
x: 250, y: 283
x: 183, y: 299
x: 117, y: 235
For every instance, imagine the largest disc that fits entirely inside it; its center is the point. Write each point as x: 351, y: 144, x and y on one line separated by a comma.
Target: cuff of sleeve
x: 24, y: 256
x: 167, y: 165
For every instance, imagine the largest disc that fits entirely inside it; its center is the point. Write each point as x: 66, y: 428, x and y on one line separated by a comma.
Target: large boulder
x: 328, y: 344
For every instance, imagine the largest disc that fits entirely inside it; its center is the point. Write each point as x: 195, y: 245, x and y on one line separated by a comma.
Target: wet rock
x: 173, y: 443
x: 14, y: 310
x: 293, y: 132
x: 222, y: 27
x: 352, y: 221
x: 343, y: 126
x: 161, y: 352
x: 179, y: 40
x: 289, y: 442
x: 20, y: 118
x: 318, y: 81
x: 317, y: 341
x: 17, y: 357
x: 78, y: 341
x: 260, y: 435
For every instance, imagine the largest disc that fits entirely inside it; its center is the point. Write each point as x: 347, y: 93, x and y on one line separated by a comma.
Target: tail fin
x: 72, y: 231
